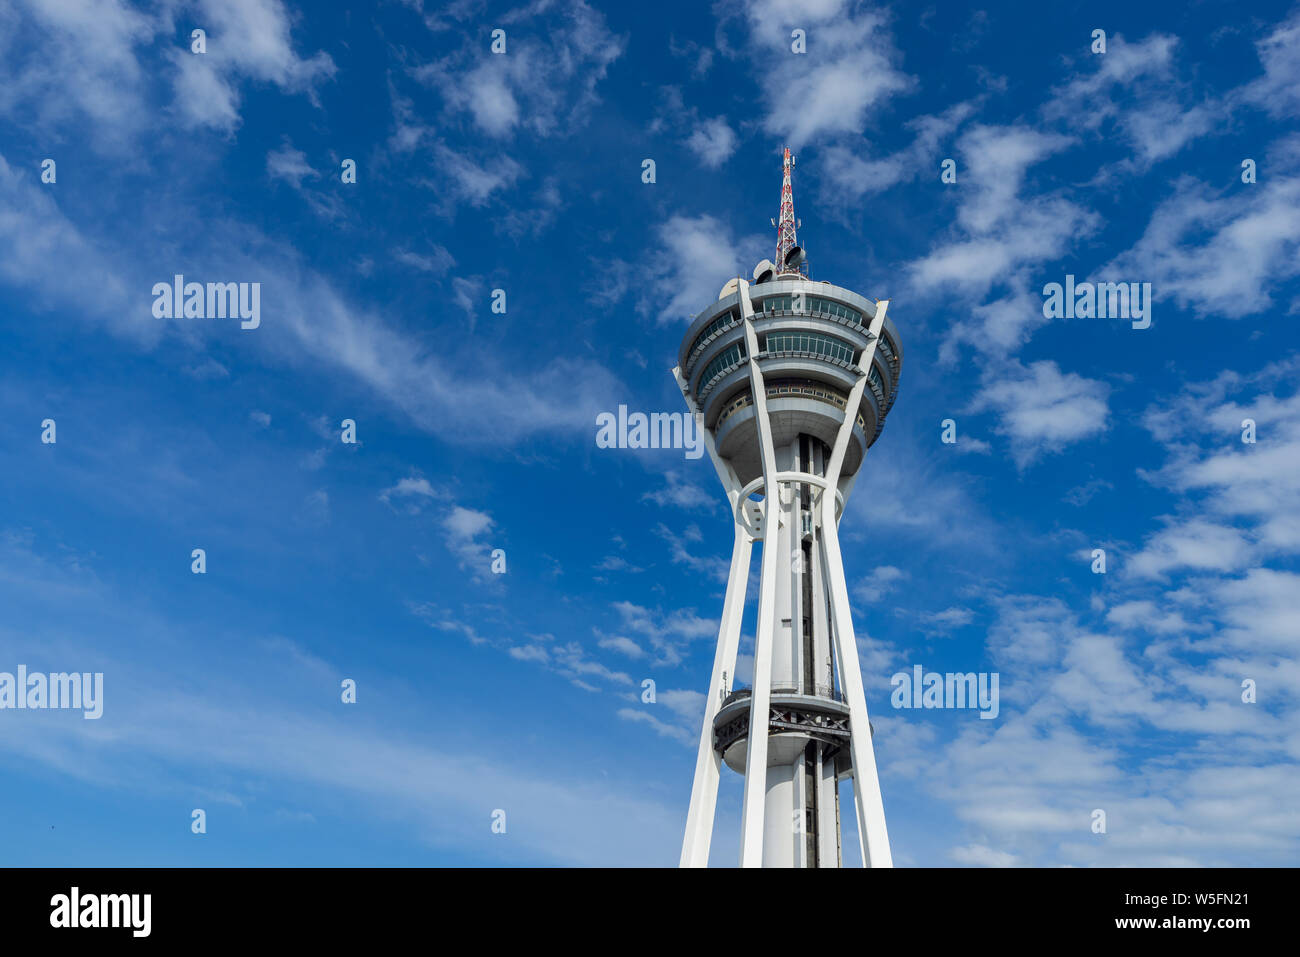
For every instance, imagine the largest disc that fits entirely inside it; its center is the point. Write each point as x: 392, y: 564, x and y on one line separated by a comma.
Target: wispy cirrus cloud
x: 849, y: 68
x: 543, y: 82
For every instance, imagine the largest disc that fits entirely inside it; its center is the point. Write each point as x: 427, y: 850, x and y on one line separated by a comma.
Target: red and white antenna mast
x: 786, y: 241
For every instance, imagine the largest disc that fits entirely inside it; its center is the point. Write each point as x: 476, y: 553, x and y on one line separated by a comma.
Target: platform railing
x: 822, y: 691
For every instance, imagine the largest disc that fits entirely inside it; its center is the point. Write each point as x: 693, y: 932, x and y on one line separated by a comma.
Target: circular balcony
x: 810, y: 333
x: 795, y: 407
x: 820, y: 300
x: 794, y: 719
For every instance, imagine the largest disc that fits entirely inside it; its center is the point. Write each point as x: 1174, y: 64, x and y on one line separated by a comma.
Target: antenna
x: 788, y: 253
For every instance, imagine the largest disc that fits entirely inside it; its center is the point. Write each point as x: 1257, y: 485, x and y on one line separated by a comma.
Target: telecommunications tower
x: 792, y: 380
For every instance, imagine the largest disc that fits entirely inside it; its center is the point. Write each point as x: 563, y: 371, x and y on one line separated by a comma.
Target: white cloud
x: 74, y: 65
x: 1194, y: 544
x: 204, y: 98
x: 713, y: 141
x: 1029, y: 631
x: 941, y: 622
x: 1081, y: 495
x: 670, y: 634
x: 571, y: 660
x: 546, y: 80
x: 417, y: 486
x: 999, y: 235
x: 882, y: 580
x: 463, y: 523
x: 683, y: 725
x: 313, y: 322
x: 1134, y: 85
x: 290, y: 165
x: 437, y: 261
x: 1237, y: 482
x: 467, y: 293
x: 34, y: 233
x: 1042, y: 409
x: 1221, y: 252
x: 1147, y: 615
x: 848, y: 173
x: 687, y: 705
x: 847, y: 72
x: 697, y: 255
x: 680, y: 493
x: 1079, y: 703
x: 1261, y: 610
x: 714, y: 567
x: 624, y: 646
x: 472, y: 181
x: 1278, y: 90
x: 672, y: 731
x: 979, y: 855
x: 246, y: 39
x: 996, y: 162
x: 279, y: 734
x: 464, y: 531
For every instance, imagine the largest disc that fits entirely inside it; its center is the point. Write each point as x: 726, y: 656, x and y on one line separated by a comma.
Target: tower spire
x: 785, y: 228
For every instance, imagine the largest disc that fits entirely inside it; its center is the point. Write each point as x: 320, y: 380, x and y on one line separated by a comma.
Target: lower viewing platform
x: 794, y: 719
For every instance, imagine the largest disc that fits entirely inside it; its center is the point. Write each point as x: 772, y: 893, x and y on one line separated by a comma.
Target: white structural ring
x: 793, y: 478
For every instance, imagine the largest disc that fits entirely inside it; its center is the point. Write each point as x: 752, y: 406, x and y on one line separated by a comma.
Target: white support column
x: 751, y: 818
x: 872, y: 833
x: 828, y: 822
x: 785, y: 650
x: 708, y: 764
x: 866, y: 780
x: 868, y: 357
x: 726, y: 474
x: 797, y: 571
x: 823, y: 671
x: 800, y: 812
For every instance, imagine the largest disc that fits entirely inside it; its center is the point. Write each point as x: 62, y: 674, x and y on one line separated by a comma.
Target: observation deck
x: 794, y: 719
x: 810, y: 337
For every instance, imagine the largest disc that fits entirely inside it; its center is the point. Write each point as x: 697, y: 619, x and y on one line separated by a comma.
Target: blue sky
x: 476, y: 430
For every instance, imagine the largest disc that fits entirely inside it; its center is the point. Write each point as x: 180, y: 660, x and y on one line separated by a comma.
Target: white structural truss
x: 790, y: 381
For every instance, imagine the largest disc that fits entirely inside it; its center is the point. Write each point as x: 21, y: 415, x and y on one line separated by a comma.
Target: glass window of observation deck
x: 809, y: 343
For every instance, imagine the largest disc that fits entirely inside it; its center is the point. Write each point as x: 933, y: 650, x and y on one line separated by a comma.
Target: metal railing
x: 821, y: 691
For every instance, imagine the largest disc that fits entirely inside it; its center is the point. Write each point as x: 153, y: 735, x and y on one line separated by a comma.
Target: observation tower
x: 793, y: 380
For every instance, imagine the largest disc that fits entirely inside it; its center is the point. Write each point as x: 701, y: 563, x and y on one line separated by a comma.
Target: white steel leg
x: 708, y: 765
x: 872, y: 834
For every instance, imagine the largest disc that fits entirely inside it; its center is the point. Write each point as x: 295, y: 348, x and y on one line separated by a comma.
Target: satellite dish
x: 794, y: 257
x: 764, y: 271
x: 731, y: 287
